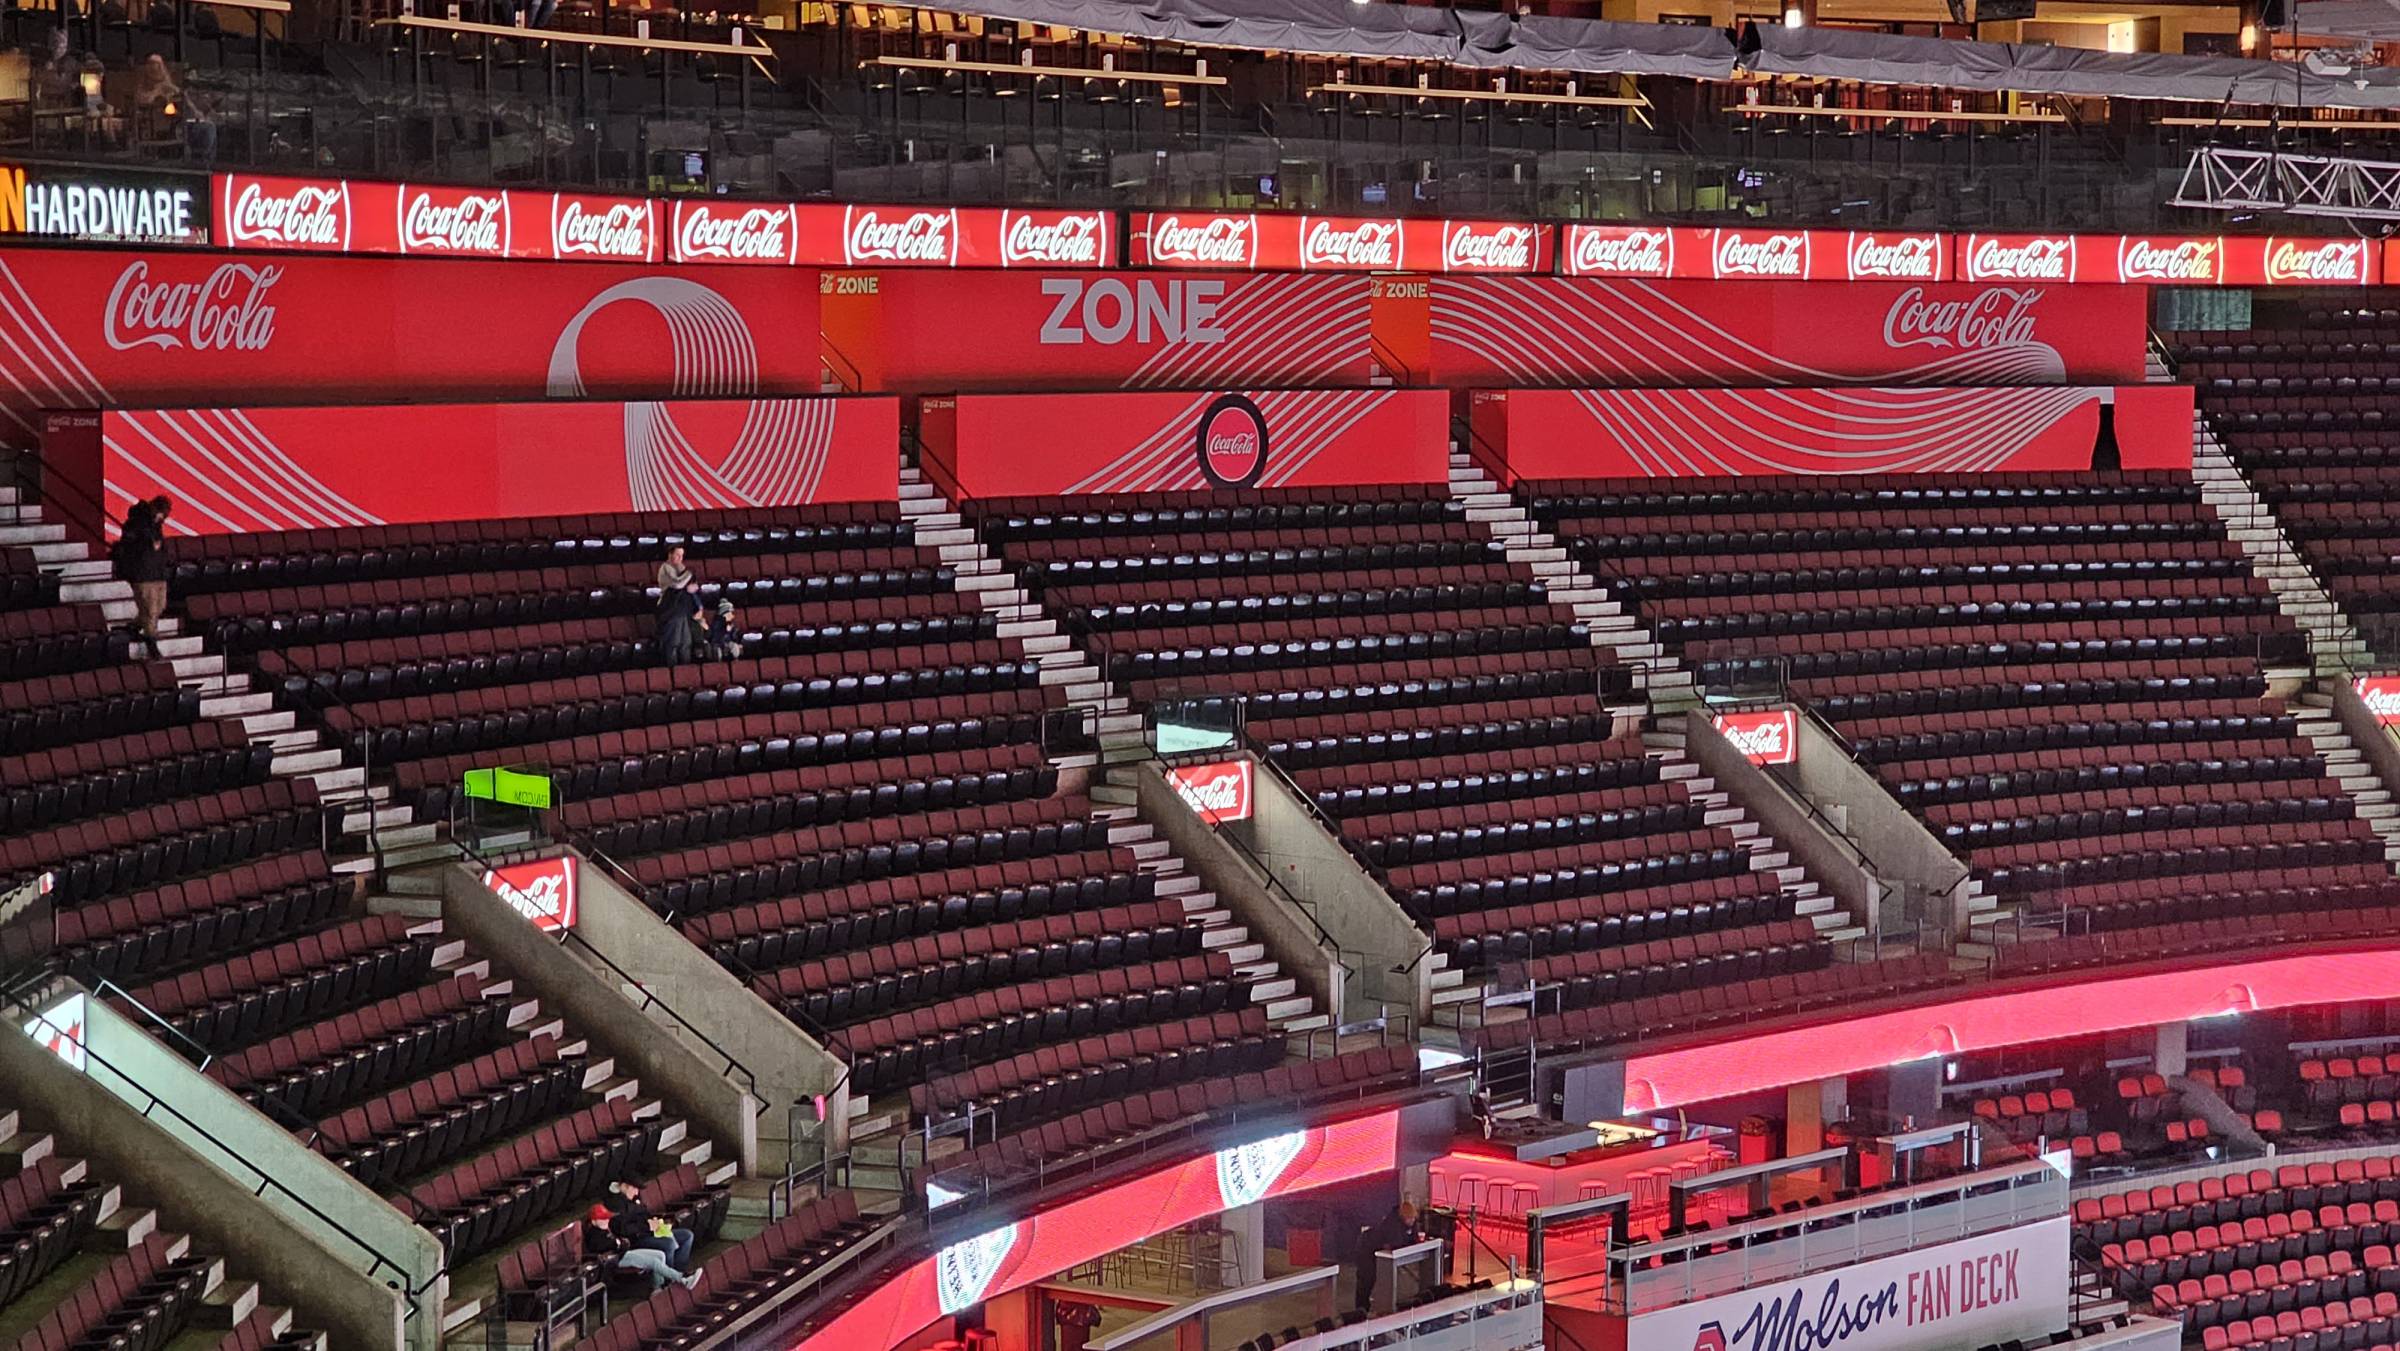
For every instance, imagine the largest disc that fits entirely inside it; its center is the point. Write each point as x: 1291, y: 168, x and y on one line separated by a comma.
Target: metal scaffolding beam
x: 2300, y: 185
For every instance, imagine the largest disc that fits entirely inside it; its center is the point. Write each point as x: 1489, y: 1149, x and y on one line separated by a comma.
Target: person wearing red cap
x: 600, y: 1239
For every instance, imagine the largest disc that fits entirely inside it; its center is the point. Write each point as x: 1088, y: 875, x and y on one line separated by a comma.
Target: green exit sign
x: 515, y: 787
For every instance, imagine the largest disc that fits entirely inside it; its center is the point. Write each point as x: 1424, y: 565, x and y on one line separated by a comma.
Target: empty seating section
x: 84, y: 1268
x: 2256, y: 1256
x: 857, y: 816
x: 1122, y: 1114
x: 2060, y: 675
x: 1443, y: 715
x: 2308, y: 406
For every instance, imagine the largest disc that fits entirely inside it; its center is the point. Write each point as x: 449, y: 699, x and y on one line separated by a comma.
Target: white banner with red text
x: 2010, y: 1285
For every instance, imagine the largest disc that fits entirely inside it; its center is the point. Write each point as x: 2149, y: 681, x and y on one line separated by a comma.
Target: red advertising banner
x: 945, y: 332
x: 241, y: 469
x: 1660, y: 252
x: 2382, y: 697
x: 91, y: 329
x: 1017, y: 1252
x: 1044, y: 445
x: 363, y: 216
x: 2169, y: 260
x: 714, y: 231
x: 1217, y: 793
x: 1765, y: 737
x: 1497, y: 331
x: 543, y: 891
x: 1249, y: 242
x: 1682, y: 433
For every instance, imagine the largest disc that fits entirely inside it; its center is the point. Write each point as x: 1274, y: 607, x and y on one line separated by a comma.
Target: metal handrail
x: 1326, y: 942
x: 650, y: 1000
x: 266, y: 1181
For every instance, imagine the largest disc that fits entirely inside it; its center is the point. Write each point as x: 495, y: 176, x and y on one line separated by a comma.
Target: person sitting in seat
x: 600, y: 1240
x: 639, y: 1228
x: 724, y: 639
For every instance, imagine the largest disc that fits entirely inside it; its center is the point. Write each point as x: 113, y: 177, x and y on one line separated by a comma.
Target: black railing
x: 227, y: 1156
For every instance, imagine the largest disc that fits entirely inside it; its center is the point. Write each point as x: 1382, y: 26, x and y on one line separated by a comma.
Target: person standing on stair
x: 678, y: 606
x: 140, y: 558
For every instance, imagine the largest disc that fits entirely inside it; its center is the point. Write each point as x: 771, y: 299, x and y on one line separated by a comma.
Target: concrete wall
x: 790, y: 1065
x: 223, y: 1216
x: 1271, y: 917
x: 1898, y: 846
x: 1829, y: 858
x: 697, y: 1089
x: 290, y: 1235
x: 1375, y: 935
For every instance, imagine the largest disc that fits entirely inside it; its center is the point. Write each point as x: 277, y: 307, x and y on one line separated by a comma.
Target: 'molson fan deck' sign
x: 1040, y: 445
x: 2010, y: 1285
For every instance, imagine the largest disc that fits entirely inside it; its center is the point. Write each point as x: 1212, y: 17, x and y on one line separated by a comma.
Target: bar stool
x: 1527, y: 1198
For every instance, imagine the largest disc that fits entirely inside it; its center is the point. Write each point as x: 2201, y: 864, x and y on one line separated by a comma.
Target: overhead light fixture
x: 1793, y: 18
x: 2249, y: 37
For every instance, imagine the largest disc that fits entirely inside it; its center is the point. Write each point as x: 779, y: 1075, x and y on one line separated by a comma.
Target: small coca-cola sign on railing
x: 543, y: 891
x: 1217, y: 793
x: 1770, y: 737
x: 2381, y: 694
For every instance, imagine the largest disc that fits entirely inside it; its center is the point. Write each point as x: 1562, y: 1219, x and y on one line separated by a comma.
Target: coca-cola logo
x: 1906, y: 258
x: 542, y: 891
x: 475, y: 223
x: 743, y: 234
x: 1997, y: 316
x: 1782, y: 255
x: 2028, y: 260
x: 1217, y: 793
x: 302, y: 215
x: 2337, y: 261
x: 226, y: 311
x: 1488, y: 248
x: 1365, y: 244
x: 1629, y: 253
x: 2179, y: 260
x: 622, y: 230
x: 1232, y: 442
x: 871, y: 236
x: 1214, y: 241
x: 2381, y: 694
x: 1769, y: 738
x: 1069, y: 240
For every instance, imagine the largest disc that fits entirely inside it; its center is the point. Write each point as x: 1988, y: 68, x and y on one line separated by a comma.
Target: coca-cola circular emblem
x: 1233, y: 442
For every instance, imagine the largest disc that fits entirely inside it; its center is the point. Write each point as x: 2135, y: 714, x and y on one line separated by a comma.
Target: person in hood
x: 638, y: 1227
x: 600, y: 1239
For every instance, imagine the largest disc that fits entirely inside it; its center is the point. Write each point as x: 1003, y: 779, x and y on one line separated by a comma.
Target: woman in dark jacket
x: 140, y: 557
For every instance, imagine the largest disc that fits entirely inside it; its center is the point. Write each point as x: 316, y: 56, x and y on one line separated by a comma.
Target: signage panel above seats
x: 1253, y: 241
x: 1693, y: 433
x: 243, y: 469
x: 1047, y: 445
x: 1546, y: 330
x: 167, y: 329
x: 921, y: 332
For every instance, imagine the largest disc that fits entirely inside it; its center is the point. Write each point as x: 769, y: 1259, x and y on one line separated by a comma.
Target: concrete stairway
x: 678, y: 1142
x: 2333, y: 640
x: 122, y: 1224
x: 300, y: 751
x: 983, y: 575
x: 1613, y: 627
x: 1809, y: 899
x: 2348, y: 767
